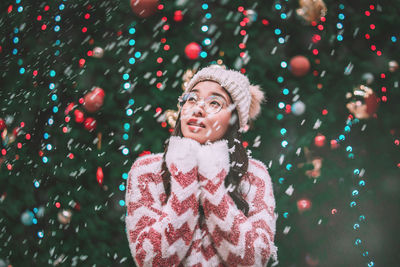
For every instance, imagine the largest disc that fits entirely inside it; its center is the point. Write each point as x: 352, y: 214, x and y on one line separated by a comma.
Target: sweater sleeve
x: 239, y: 240
x: 160, y: 235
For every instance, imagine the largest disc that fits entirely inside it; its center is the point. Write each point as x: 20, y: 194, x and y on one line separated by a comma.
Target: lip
x: 195, y: 121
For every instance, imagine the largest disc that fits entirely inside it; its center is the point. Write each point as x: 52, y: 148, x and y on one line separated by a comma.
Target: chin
x: 199, y: 138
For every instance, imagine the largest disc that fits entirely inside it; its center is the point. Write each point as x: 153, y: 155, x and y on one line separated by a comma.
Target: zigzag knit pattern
x: 171, y: 233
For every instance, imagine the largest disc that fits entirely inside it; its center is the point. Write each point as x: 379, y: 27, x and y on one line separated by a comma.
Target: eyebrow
x: 214, y: 93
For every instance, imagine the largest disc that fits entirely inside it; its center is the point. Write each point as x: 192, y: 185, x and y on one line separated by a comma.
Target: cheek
x: 220, y: 123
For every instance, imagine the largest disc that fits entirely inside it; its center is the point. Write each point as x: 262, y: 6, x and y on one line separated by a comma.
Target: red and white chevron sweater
x: 171, y: 233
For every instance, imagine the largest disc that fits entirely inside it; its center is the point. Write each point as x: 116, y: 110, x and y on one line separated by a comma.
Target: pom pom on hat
x: 257, y: 98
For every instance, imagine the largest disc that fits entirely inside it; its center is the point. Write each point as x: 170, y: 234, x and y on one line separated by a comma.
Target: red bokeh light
x: 265, y: 22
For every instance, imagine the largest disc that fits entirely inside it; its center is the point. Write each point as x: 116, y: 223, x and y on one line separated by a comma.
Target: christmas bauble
x: 79, y: 117
x: 77, y: 206
x: 64, y: 216
x: 178, y: 16
x: 299, y: 65
x: 303, y: 204
x: 90, y: 124
x: 98, y: 52
x: 2, y: 124
x: 27, y: 217
x: 171, y: 116
x: 298, y: 108
x: 144, y: 8
x: 94, y: 100
x: 316, y: 171
x: 334, y: 144
x: 311, y: 10
x: 319, y: 140
x: 4, y: 136
x: 99, y: 175
x: 70, y: 107
x: 368, y: 78
x: 393, y: 65
x: 363, y: 102
x: 187, y: 76
x: 192, y: 50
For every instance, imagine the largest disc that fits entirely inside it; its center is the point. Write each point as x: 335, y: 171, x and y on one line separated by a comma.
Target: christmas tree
x: 89, y: 86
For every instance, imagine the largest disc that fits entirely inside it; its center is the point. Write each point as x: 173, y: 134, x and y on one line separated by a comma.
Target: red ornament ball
x: 178, y: 16
x: 372, y: 102
x: 299, y: 65
x: 334, y: 144
x: 99, y: 175
x: 2, y: 124
x: 363, y: 102
x: 193, y: 50
x: 303, y: 204
x: 69, y: 108
x: 94, y: 100
x: 144, y: 8
x: 90, y: 124
x: 77, y: 206
x: 319, y: 140
x: 79, y: 117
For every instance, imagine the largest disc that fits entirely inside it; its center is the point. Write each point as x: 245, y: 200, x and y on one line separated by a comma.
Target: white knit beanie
x: 246, y: 97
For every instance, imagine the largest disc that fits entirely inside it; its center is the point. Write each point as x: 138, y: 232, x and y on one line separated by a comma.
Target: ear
x: 257, y: 98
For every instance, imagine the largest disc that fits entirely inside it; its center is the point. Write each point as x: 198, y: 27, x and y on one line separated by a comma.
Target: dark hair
x: 236, y: 172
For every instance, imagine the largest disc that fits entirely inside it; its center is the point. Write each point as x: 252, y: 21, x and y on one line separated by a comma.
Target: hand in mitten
x: 182, y: 152
x: 213, y: 162
x: 182, y: 163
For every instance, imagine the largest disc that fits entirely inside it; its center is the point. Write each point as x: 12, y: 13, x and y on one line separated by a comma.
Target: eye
x: 215, y: 103
x: 192, y: 98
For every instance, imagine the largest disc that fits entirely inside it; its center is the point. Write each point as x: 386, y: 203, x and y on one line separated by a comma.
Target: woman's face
x: 199, y: 125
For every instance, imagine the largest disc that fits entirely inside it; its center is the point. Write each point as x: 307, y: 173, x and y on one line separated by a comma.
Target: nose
x: 197, y: 110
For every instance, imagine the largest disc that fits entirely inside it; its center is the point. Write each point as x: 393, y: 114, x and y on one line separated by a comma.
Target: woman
x: 203, y: 202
